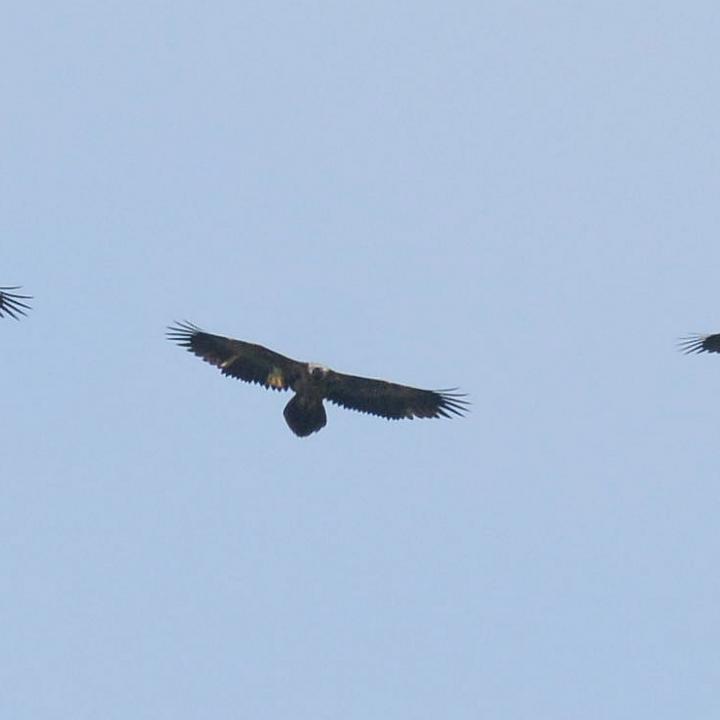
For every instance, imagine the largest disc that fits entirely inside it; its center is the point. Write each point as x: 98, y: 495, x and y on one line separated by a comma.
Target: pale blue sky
x: 518, y: 198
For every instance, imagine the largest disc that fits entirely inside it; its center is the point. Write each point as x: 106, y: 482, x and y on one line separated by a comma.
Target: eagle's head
x: 317, y: 371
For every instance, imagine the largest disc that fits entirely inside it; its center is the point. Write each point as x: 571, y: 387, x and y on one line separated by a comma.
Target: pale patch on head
x: 317, y: 368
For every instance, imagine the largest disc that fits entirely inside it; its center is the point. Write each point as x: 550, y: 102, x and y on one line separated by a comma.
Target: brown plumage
x: 11, y: 304
x: 314, y: 383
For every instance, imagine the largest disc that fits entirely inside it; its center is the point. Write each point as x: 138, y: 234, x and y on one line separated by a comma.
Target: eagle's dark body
x: 11, y: 304
x: 312, y: 384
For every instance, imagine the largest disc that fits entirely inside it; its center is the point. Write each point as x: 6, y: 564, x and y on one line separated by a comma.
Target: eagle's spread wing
x: 243, y: 360
x: 12, y: 304
x: 700, y: 344
x: 390, y: 400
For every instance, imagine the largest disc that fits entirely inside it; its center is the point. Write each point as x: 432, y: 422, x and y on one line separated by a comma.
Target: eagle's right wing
x: 245, y: 361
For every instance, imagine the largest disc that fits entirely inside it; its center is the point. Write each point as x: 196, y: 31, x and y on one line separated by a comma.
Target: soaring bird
x: 313, y: 383
x: 700, y: 344
x: 11, y: 304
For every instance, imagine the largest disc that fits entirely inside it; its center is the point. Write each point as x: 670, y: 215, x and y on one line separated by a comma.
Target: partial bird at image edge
x: 700, y: 344
x: 11, y: 304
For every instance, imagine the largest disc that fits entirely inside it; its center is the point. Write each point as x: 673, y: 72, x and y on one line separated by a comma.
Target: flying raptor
x: 313, y: 383
x: 11, y: 304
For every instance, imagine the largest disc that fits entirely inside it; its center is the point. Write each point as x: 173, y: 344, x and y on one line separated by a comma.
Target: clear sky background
x: 517, y: 198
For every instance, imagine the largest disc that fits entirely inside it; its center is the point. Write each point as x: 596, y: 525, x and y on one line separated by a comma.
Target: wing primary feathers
x: 182, y: 333
x: 700, y: 344
x: 11, y: 303
x: 452, y: 402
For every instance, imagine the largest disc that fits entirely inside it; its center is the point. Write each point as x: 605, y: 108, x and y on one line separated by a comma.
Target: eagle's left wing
x: 390, y: 400
x: 11, y: 303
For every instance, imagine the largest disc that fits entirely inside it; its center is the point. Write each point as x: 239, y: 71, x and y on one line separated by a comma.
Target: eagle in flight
x: 700, y: 344
x: 313, y: 383
x: 11, y: 304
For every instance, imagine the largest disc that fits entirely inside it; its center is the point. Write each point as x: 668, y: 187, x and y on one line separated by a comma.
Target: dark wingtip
x: 452, y: 403
x: 11, y: 303
x: 182, y: 332
x: 693, y: 344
